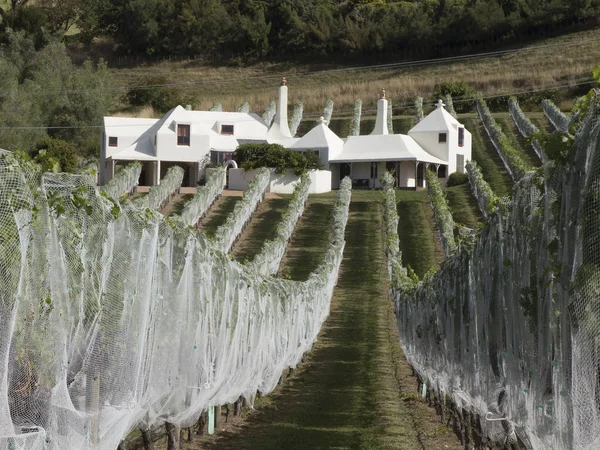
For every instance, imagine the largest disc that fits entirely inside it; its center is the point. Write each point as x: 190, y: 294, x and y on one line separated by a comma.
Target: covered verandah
x: 366, y: 158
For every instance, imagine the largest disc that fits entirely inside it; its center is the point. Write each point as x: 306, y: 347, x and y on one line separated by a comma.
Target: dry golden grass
x: 555, y: 62
x: 145, y: 112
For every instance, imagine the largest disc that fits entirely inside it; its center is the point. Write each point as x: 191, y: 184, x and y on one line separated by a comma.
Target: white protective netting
x: 526, y: 127
x: 124, y: 181
x: 442, y: 213
x: 269, y: 113
x: 354, y: 129
x: 227, y: 233
x: 509, y: 326
x: 160, y: 194
x: 482, y: 191
x: 510, y: 156
x: 268, y: 260
x: 419, y: 114
x: 296, y: 118
x: 450, y: 105
x: 114, y: 317
x: 328, y: 111
x: 204, y: 197
x: 557, y: 118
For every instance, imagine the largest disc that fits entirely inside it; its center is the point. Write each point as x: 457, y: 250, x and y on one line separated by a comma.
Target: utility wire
x: 316, y: 73
x: 402, y: 106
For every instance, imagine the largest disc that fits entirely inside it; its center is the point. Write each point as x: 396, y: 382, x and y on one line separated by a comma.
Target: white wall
x: 430, y: 142
x: 456, y: 150
x: 168, y: 150
x: 281, y: 183
x: 407, y: 174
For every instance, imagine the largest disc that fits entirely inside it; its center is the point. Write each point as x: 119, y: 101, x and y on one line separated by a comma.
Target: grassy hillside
x: 562, y: 61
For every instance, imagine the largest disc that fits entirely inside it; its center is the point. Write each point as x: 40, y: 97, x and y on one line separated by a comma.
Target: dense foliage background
x: 259, y: 28
x: 52, y: 108
x: 49, y: 104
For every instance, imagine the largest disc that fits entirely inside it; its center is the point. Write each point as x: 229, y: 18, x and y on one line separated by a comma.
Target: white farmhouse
x: 181, y: 137
x: 438, y: 143
x: 187, y: 138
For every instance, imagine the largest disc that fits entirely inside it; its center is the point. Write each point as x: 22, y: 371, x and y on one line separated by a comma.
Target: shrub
x: 60, y: 151
x: 253, y: 156
x: 456, y: 179
x: 462, y: 94
x: 150, y: 92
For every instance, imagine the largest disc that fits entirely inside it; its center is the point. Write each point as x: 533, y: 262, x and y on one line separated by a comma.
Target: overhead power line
x: 402, y: 106
x: 319, y: 72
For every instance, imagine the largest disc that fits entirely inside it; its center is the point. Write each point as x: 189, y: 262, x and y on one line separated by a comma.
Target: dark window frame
x: 183, y: 134
x: 442, y: 138
x: 227, y: 129
x: 461, y: 137
x: 113, y: 141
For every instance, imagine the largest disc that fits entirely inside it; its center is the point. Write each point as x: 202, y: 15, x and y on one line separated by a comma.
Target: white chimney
x: 280, y: 127
x: 381, y: 125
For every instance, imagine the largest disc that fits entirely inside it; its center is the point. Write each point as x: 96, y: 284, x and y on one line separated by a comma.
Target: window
x: 442, y: 138
x: 113, y: 141
x: 460, y: 163
x: 183, y: 135
x: 226, y: 129
x: 461, y: 137
x: 442, y: 172
x: 218, y: 158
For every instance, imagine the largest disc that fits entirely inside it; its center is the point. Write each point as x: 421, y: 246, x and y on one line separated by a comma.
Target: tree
x: 58, y: 151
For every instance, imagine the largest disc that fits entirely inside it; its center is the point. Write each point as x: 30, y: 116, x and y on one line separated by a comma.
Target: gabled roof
x: 381, y: 147
x: 438, y: 120
x: 319, y: 137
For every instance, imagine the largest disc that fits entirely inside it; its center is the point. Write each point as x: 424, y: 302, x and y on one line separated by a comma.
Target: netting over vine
x: 112, y: 316
x: 509, y: 325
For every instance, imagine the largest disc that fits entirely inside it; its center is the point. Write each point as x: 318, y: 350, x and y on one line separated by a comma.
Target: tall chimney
x: 280, y: 124
x: 381, y: 126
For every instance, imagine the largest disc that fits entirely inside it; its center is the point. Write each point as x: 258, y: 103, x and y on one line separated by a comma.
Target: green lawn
x: 262, y: 227
x: 416, y: 231
x: 217, y: 214
x: 463, y: 205
x: 309, y: 241
x: 492, y: 168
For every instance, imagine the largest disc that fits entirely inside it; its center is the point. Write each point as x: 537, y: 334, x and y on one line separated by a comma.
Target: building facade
x: 192, y: 138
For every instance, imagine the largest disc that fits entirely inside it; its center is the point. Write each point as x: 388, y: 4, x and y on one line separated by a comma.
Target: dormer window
x: 461, y: 137
x: 227, y: 129
x: 442, y: 138
x: 113, y: 141
x: 183, y: 135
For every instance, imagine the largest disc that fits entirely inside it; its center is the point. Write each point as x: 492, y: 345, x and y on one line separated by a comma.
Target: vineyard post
x: 217, y: 417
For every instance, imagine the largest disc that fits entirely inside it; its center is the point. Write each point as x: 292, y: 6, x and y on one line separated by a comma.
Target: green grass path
x: 518, y: 141
x: 261, y: 228
x: 492, y: 167
x: 309, y: 241
x: 419, y: 241
x: 352, y: 390
x: 217, y: 214
x: 463, y: 205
